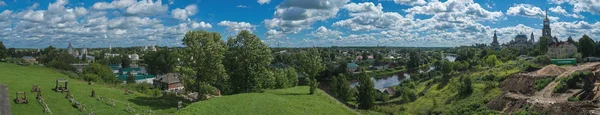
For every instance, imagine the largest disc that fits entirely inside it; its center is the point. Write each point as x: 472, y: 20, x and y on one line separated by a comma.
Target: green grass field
x: 21, y: 78
x: 291, y: 101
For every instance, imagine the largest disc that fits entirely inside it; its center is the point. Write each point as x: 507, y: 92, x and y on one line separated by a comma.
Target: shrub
x: 541, y: 83
x: 561, y: 87
x: 206, y: 89
x: 281, y: 80
x: 61, y: 65
x: 292, y: 77
x: 91, y: 77
x: 542, y: 59
x: 573, y: 99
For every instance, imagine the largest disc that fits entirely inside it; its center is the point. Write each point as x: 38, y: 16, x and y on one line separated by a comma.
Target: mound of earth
x: 551, y: 70
x: 506, y: 104
x: 519, y: 83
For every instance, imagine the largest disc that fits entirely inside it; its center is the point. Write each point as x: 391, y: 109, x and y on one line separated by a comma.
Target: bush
x: 543, y: 60
x: 542, y: 83
x: 91, y: 77
x: 573, y: 99
x: 529, y: 67
x: 292, y: 77
x: 281, y: 81
x: 61, y: 65
x: 206, y: 89
x: 560, y: 88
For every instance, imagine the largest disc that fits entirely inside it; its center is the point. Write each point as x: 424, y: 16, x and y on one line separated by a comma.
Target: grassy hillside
x: 444, y: 99
x: 294, y: 100
x: 21, y: 78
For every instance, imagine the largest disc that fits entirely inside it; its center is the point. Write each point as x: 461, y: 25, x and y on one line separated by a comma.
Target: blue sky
x: 290, y: 23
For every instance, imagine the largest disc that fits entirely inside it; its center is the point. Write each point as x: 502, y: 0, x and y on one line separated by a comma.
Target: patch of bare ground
x: 518, y: 91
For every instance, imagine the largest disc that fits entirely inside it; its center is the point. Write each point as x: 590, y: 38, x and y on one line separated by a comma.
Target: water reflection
x: 385, y: 82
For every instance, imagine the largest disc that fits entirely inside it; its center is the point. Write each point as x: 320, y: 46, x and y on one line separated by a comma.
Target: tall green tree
x: 3, y: 51
x: 586, y: 46
x: 204, y: 53
x: 341, y: 88
x: 130, y: 78
x: 125, y: 61
x: 292, y: 76
x: 160, y: 62
x: 246, y: 62
x: 543, y: 45
x: 413, y: 60
x: 366, y: 92
x: 309, y: 63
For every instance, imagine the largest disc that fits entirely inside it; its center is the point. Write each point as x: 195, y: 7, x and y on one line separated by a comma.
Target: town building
x: 352, y: 67
x: 561, y: 50
x: 495, y: 45
x: 520, y: 43
x: 30, y: 59
x: 169, y: 82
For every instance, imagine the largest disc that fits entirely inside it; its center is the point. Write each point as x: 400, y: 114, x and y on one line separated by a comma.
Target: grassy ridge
x: 289, y: 101
x: 21, y: 78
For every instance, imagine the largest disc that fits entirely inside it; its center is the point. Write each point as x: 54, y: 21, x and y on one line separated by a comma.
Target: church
x: 79, y: 54
x: 556, y: 49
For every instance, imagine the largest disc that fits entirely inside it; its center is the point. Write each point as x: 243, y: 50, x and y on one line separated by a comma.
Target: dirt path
x: 4, y: 100
x: 545, y: 96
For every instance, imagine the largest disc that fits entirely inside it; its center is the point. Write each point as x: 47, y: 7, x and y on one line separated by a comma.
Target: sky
x: 291, y: 23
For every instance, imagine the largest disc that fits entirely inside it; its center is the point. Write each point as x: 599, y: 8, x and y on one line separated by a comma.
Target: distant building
x: 169, y: 82
x: 495, y: 45
x: 134, y: 57
x: 561, y: 50
x: 520, y: 43
x: 30, y: 59
x: 352, y: 67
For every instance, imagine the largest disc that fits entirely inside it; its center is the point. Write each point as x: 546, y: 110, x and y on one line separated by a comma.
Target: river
x: 385, y: 82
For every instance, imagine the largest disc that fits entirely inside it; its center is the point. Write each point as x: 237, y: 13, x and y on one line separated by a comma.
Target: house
x: 359, y: 57
x: 352, y: 67
x: 134, y: 57
x: 561, y: 50
x: 169, y: 82
x: 30, y: 59
x: 80, y: 66
x: 111, y: 55
x: 389, y: 90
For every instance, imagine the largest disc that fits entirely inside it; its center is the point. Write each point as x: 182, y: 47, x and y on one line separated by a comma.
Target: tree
x: 543, y: 45
x: 309, y: 63
x: 246, y: 62
x: 160, y: 62
x: 366, y: 93
x: 130, y: 78
x: 125, y: 61
x: 586, y: 46
x: 3, y: 51
x: 466, y: 87
x: 365, y: 55
x: 341, y: 88
x: 204, y: 54
x: 103, y: 71
x: 492, y: 61
x: 414, y: 60
x: 543, y: 60
x: 292, y: 76
x: 343, y: 68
